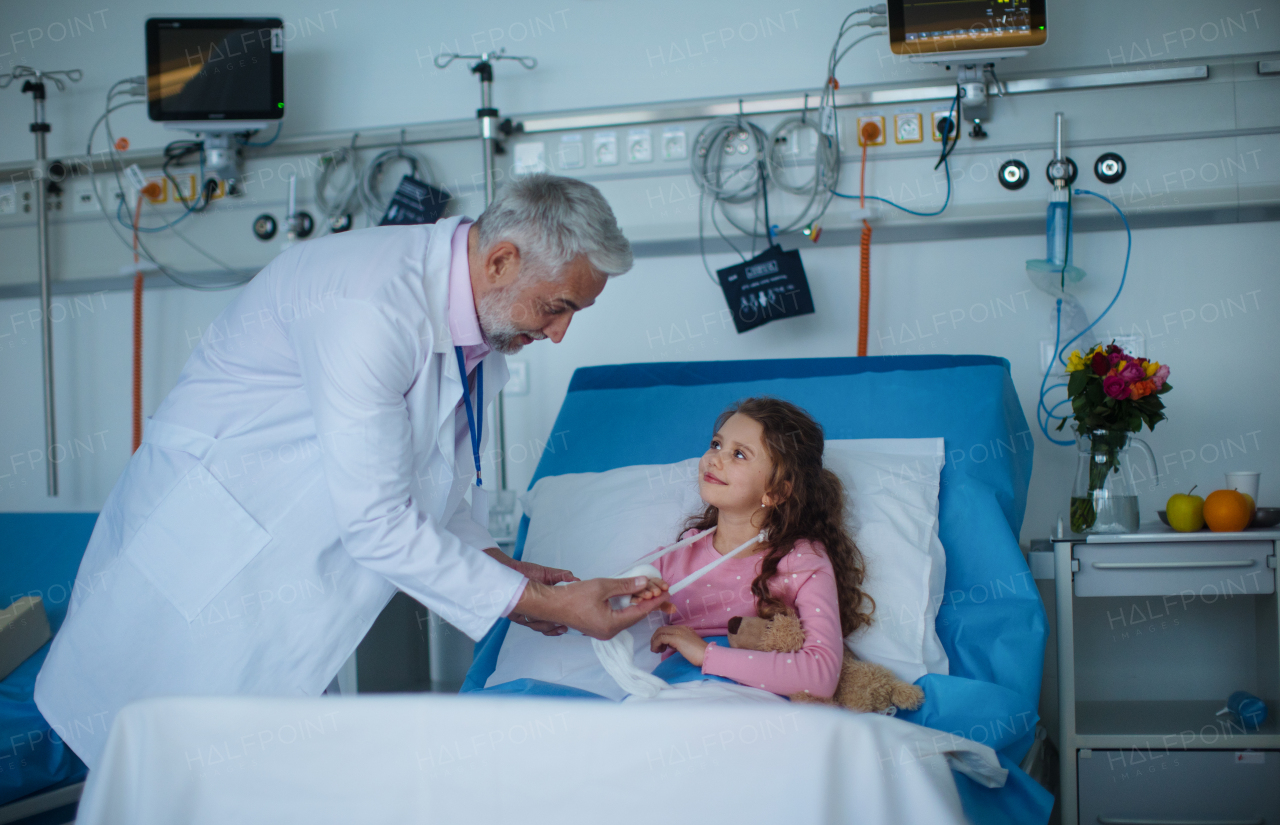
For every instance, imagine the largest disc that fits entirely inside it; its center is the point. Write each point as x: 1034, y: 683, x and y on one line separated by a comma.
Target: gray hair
x: 552, y: 220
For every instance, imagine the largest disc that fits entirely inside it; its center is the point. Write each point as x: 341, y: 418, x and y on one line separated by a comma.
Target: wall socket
x: 518, y: 384
x: 83, y: 197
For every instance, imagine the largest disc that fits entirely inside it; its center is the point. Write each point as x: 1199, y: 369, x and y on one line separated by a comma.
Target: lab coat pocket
x: 195, y: 542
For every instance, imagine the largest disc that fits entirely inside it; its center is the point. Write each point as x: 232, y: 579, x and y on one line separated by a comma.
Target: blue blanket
x: 991, y: 623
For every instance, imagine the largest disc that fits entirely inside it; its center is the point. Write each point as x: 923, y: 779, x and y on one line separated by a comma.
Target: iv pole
x: 489, y: 127
x: 39, y: 174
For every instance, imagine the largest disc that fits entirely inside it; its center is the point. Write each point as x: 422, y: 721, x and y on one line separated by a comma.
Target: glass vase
x: 1104, y: 498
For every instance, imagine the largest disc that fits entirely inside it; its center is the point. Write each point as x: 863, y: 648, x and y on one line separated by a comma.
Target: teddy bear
x: 863, y: 686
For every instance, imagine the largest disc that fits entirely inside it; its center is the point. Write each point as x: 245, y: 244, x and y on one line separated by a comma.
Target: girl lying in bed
x: 763, y: 470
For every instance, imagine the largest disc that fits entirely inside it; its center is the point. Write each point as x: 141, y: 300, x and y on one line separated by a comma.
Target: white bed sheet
x: 439, y: 759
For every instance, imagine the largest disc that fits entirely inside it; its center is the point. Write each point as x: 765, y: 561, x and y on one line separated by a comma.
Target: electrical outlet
x: 605, y: 149
x: 1047, y: 358
x: 674, y: 146
x: 531, y: 158
x: 185, y: 187
x: 518, y: 383
x: 871, y: 130
x: 639, y: 146
x: 83, y: 197
x: 935, y: 117
x: 573, y: 155
x: 907, y: 128
x: 1135, y: 345
x: 8, y: 200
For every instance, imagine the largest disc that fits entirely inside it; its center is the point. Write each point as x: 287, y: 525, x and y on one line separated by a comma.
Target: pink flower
x: 1160, y: 376
x: 1132, y: 372
x: 1115, y: 386
x: 1115, y: 357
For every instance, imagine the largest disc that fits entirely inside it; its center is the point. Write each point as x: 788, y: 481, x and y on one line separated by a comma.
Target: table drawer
x: 1206, y: 568
x: 1138, y: 787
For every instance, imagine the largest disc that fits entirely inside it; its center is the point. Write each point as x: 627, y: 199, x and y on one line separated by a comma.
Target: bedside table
x: 1155, y: 629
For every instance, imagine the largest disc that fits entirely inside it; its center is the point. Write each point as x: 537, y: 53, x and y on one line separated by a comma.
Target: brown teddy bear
x: 863, y: 686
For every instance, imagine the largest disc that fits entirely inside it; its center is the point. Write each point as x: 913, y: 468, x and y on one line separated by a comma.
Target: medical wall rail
x: 463, y: 129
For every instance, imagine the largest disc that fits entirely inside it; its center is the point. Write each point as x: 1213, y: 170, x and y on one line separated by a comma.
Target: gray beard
x: 500, y: 332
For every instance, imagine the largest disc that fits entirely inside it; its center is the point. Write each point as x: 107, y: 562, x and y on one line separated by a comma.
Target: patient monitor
x: 932, y: 30
x: 216, y: 76
x: 970, y: 35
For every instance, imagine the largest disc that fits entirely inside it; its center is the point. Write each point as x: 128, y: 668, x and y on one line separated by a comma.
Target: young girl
x: 763, y: 470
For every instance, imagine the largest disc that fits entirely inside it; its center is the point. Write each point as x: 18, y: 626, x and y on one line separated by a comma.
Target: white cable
x: 143, y: 251
x: 346, y: 199
x: 617, y: 655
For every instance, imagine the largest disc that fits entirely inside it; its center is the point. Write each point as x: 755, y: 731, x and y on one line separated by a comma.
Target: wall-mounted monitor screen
x: 923, y: 27
x: 215, y: 69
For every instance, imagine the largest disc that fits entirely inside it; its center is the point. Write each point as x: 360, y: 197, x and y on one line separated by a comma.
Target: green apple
x: 1185, y: 512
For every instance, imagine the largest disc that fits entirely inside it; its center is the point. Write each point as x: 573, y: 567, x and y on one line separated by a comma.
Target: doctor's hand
x: 531, y: 571
x: 534, y: 573
x: 584, y: 605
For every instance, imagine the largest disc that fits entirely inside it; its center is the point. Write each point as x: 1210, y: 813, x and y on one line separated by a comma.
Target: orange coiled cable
x: 864, y: 298
x: 864, y: 295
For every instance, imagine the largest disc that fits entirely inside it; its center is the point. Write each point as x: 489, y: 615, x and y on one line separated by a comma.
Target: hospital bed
x: 533, y: 753
x: 992, y: 623
x: 39, y: 555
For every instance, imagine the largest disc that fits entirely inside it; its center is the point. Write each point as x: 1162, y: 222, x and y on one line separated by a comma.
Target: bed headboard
x: 666, y: 410
x: 41, y: 553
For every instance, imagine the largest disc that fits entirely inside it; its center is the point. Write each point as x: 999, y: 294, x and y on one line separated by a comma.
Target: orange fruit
x: 1226, y: 511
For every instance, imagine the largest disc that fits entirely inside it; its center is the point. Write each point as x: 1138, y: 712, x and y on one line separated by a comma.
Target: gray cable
x: 374, y: 204
x: 143, y: 251
x: 347, y: 198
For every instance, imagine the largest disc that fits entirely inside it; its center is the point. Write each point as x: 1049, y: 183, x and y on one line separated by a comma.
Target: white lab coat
x: 311, y: 460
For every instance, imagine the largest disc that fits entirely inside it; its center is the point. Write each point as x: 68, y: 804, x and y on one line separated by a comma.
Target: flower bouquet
x: 1112, y: 394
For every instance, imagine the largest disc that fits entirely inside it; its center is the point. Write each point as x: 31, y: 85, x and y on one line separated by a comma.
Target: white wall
x: 367, y: 66
x: 957, y: 294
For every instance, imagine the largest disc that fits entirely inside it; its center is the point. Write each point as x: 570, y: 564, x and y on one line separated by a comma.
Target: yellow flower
x: 1152, y: 366
x: 1076, y: 362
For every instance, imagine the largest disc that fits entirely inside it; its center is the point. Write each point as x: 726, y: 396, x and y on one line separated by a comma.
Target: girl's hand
x: 656, y: 588
x: 681, y: 639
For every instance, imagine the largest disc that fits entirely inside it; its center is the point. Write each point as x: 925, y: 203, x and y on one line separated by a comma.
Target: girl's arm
x: 815, y: 668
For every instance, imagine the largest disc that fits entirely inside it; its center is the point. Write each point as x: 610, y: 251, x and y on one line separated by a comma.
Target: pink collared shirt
x: 464, y: 328
x: 464, y: 323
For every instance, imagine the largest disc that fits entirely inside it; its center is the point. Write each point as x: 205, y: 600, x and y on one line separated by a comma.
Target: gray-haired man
x: 314, y: 458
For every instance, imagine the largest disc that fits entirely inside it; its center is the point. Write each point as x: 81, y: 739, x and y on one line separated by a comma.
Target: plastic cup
x: 1244, y: 483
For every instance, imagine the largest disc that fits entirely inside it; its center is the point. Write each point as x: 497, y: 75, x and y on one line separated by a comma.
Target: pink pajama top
x: 805, y: 582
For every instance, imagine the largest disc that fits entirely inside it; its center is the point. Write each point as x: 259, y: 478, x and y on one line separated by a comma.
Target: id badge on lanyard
x: 475, y: 425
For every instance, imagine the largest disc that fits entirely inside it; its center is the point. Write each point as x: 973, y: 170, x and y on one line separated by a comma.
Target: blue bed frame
x: 39, y: 555
x: 992, y: 622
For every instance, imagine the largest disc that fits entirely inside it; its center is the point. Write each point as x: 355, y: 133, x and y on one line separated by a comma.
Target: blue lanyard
x: 474, y: 425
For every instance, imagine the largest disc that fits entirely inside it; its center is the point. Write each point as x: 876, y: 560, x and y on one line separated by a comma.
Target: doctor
x: 314, y: 458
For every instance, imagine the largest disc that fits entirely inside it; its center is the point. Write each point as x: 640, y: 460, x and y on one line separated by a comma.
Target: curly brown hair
x: 810, y: 506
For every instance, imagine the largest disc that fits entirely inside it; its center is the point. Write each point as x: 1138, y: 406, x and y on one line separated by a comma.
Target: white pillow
x: 597, y: 524
x: 891, y: 491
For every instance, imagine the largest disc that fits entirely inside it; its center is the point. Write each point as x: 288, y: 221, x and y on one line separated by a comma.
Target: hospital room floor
x: 58, y: 816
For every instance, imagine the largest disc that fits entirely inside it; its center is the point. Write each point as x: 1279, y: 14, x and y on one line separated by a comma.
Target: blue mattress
x: 41, y: 553
x: 991, y: 622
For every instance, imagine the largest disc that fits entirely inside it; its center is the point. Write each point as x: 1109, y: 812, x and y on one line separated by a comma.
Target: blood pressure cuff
x: 770, y: 286
x: 415, y: 202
